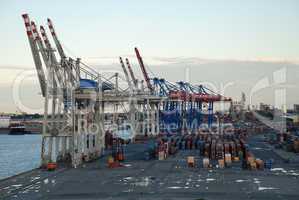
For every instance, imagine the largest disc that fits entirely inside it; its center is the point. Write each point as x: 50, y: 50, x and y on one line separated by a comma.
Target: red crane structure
x: 144, y: 72
x: 135, y: 82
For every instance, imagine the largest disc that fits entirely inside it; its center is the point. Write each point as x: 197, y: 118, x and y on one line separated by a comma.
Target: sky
x: 232, y: 42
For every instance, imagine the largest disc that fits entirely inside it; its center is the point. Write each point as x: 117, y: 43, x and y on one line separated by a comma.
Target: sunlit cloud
x: 156, y: 60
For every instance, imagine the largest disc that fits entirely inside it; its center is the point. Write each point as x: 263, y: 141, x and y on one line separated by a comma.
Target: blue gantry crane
x: 183, y: 109
x: 185, y: 106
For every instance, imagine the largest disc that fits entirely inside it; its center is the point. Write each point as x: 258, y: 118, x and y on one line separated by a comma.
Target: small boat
x: 17, y: 129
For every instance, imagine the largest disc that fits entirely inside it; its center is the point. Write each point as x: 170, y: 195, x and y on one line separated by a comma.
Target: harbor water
x: 18, y: 153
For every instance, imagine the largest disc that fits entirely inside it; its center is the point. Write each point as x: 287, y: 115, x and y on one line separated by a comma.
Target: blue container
x: 87, y: 83
x: 147, y: 155
x: 90, y: 84
x: 268, y: 164
x: 194, y: 146
x: 177, y: 144
x: 199, y: 144
x: 199, y: 152
x: 183, y: 145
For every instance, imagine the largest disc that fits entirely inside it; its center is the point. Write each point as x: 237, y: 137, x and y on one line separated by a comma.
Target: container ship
x: 17, y: 129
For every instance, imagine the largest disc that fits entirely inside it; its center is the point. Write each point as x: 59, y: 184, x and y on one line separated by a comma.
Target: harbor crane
x: 75, y: 97
x: 71, y: 103
x: 126, y: 74
x: 135, y: 81
x: 144, y: 72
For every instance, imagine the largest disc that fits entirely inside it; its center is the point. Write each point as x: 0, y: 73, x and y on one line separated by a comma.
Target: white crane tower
x: 72, y: 125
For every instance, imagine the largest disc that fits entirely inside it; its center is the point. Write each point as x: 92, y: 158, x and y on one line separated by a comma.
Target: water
x: 19, y: 153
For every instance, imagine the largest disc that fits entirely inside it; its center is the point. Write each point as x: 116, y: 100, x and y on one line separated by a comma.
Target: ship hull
x: 16, y: 131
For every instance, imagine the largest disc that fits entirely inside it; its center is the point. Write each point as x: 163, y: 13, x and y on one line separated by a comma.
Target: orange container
x: 190, y: 161
x: 250, y: 159
x: 206, y: 162
x: 161, y: 155
x: 253, y: 165
x: 228, y: 159
x: 114, y: 164
x: 51, y: 166
x: 296, y: 146
x: 236, y: 159
x: 221, y: 163
x: 110, y: 161
x: 120, y: 157
x: 259, y: 164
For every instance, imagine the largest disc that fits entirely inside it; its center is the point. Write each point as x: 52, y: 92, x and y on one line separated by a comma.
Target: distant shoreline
x: 5, y: 131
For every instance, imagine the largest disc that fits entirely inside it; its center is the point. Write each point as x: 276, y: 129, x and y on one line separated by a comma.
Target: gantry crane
x: 74, y: 96
x: 126, y: 74
x: 184, y: 107
x: 135, y: 81
x: 65, y: 133
x: 36, y: 57
x: 144, y: 72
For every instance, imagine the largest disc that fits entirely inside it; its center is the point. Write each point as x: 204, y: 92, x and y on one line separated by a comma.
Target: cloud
x: 181, y: 60
x: 243, y: 73
x: 156, y: 60
x: 15, y: 67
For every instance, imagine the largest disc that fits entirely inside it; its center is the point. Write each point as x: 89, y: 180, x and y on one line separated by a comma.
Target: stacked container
x: 206, y: 163
x: 228, y: 159
x: 221, y: 163
x: 259, y: 164
x: 191, y: 161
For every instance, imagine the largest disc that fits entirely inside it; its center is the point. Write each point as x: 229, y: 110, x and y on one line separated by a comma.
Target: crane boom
x: 40, y: 44
x: 145, y: 75
x: 66, y: 63
x: 131, y: 73
x: 126, y: 73
x: 35, y: 54
x: 57, y: 43
x: 47, y: 43
x: 51, y: 53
